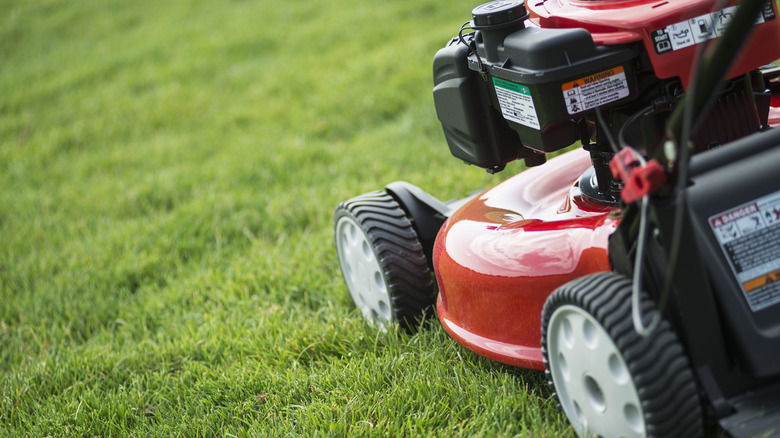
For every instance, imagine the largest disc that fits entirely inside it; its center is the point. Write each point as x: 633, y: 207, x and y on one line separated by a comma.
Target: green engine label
x: 516, y: 103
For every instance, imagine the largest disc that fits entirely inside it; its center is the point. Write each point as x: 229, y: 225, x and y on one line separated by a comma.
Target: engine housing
x: 527, y: 83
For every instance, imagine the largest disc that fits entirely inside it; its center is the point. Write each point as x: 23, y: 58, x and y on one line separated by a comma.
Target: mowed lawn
x: 168, y: 175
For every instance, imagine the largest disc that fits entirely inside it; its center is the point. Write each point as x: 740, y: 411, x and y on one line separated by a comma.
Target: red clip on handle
x: 640, y: 179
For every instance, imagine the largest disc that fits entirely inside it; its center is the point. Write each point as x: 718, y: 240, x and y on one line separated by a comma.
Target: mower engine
x: 629, y: 232
x: 529, y: 80
x: 645, y: 82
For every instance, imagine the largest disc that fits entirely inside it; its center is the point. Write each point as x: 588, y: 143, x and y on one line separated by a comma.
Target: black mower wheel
x: 610, y: 380
x: 382, y: 260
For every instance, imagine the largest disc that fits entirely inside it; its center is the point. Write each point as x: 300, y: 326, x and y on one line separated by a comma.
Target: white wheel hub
x: 593, y: 383
x: 362, y: 272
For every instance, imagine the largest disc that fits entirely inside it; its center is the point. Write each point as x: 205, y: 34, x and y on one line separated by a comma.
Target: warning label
x: 595, y: 90
x: 516, y: 103
x: 702, y: 28
x: 750, y: 238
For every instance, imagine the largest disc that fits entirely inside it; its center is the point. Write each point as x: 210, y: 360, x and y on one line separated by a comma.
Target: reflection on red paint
x: 496, y: 266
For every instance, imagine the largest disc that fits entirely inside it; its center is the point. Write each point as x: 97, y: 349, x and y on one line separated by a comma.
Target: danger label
x: 702, y: 28
x: 516, y: 103
x: 595, y: 90
x: 725, y: 219
x: 749, y: 236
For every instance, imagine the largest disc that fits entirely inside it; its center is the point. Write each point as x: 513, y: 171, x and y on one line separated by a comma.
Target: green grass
x: 169, y: 174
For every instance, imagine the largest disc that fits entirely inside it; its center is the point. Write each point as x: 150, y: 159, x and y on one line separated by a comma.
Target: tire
x: 609, y: 380
x: 382, y: 260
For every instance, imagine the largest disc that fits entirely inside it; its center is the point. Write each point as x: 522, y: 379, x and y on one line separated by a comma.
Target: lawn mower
x: 641, y: 270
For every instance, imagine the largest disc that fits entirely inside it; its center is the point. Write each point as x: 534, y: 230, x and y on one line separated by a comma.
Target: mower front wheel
x: 382, y: 260
x: 610, y: 380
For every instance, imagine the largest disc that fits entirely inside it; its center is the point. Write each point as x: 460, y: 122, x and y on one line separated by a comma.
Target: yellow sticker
x: 595, y: 90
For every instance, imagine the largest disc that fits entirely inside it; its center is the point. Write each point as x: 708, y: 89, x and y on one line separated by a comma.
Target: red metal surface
x: 774, y: 110
x: 774, y: 116
x: 625, y: 21
x: 500, y: 256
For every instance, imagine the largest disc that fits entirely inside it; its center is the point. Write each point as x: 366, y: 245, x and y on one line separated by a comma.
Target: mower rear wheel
x: 382, y: 260
x: 610, y: 380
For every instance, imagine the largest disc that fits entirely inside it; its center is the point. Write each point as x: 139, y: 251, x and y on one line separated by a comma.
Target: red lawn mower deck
x: 639, y: 271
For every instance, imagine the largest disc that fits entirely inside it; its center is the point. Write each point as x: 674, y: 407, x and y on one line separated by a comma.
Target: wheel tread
x: 657, y: 363
x: 398, y: 249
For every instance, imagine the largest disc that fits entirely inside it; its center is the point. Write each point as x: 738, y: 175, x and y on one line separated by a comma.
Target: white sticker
x: 749, y: 236
x: 516, y: 103
x: 702, y: 28
x: 595, y: 90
